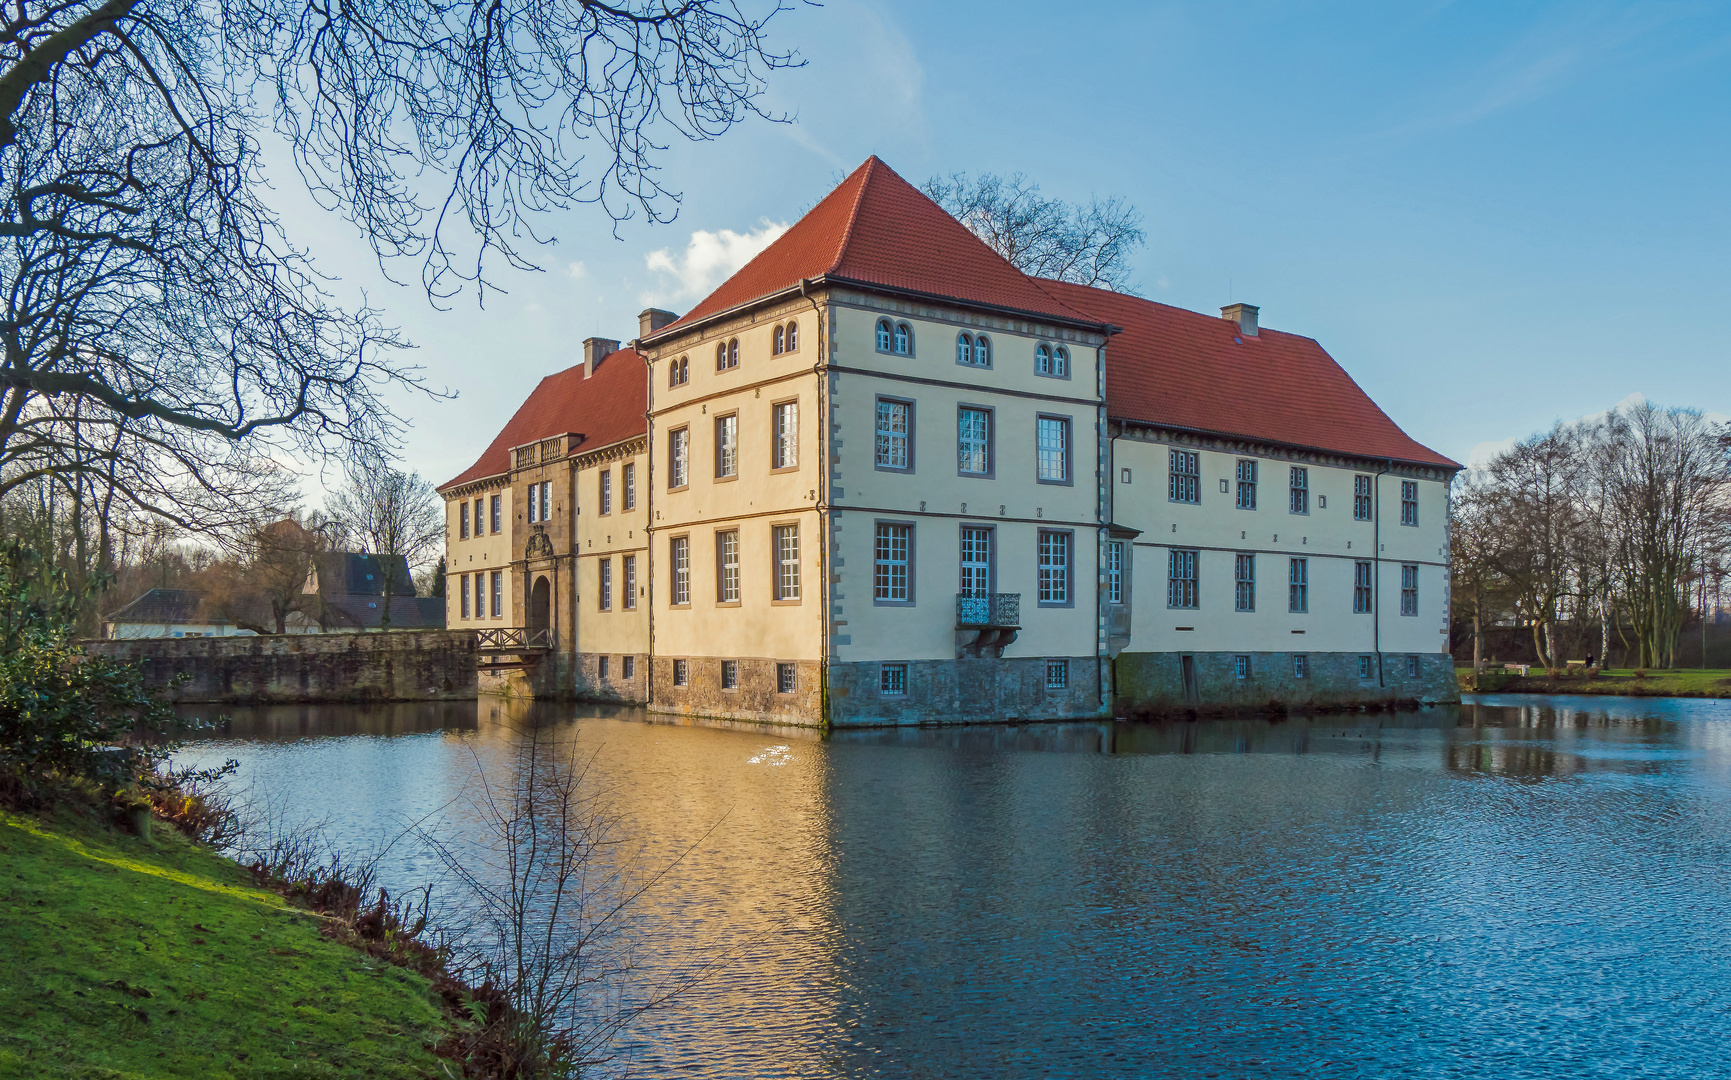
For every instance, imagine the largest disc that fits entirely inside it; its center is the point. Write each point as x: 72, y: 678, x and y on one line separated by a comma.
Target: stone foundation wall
x: 1153, y: 683
x: 757, y: 699
x: 590, y: 686
x: 965, y: 691
x: 404, y: 665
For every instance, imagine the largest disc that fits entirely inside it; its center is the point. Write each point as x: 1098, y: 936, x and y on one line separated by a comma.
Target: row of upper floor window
x: 1184, y: 583
x: 784, y: 339
x: 976, y: 441
x: 1184, y: 485
x: 783, y: 443
x: 488, y: 516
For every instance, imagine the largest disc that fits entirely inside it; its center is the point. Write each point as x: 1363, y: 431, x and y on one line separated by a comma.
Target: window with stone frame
x: 894, y: 434
x: 1181, y: 590
x: 628, y: 582
x: 679, y: 559
x: 1244, y: 582
x: 785, y: 539
x: 604, y: 583
x: 1363, y: 588
x: 1298, y: 490
x: 1361, y: 500
x: 628, y: 484
x: 1409, y: 589
x: 1246, y: 484
x: 727, y: 566
x: 1185, y: 479
x: 1409, y: 502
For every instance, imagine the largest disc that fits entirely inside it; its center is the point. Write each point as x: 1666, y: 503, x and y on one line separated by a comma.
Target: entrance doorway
x: 540, y: 607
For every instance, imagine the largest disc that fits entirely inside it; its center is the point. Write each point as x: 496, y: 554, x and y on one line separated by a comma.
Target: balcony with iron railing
x: 987, y: 621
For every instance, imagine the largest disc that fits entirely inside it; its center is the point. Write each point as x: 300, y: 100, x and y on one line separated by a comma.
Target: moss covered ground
x: 119, y: 959
x: 1713, y: 682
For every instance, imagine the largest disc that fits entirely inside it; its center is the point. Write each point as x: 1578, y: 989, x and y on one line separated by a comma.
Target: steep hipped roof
x: 357, y: 573
x: 1184, y: 369
x: 161, y: 606
x: 368, y: 612
x: 601, y: 410
x: 878, y: 229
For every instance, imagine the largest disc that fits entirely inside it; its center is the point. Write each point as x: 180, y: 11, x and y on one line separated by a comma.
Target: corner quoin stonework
x: 1153, y: 683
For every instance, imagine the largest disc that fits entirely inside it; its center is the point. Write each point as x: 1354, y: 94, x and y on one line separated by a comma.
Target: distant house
x: 350, y: 591
x: 169, y: 613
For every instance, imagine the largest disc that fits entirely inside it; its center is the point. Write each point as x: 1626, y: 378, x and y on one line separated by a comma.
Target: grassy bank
x: 1712, y: 683
x: 120, y: 960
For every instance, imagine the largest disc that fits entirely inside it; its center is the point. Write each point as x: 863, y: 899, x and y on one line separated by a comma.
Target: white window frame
x: 784, y: 540
x: 1052, y: 463
x: 1363, y: 587
x: 727, y: 446
x: 727, y: 566
x: 971, y: 444
x: 1298, y: 490
x: 1184, y: 477
x: 893, y: 563
x: 1243, y: 581
x: 678, y: 458
x: 604, y: 583
x: 1409, y: 589
x: 679, y: 566
x: 1056, y: 567
x: 887, y: 440
x: 1246, y: 473
x: 628, y: 582
x: 1298, y: 586
x: 1183, y: 584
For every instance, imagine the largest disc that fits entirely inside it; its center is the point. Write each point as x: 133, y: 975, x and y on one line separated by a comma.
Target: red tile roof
x: 603, y: 410
x: 878, y: 229
x: 1184, y: 369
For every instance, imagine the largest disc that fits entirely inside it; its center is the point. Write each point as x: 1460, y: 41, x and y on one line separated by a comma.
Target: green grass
x: 118, y: 960
x: 1688, y: 682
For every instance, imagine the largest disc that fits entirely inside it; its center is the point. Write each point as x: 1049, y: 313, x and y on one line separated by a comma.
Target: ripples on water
x: 1517, y: 887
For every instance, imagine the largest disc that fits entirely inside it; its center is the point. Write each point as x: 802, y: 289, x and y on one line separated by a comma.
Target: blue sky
x: 1494, y: 215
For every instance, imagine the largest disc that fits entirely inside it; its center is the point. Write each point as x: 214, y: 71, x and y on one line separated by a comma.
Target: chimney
x: 595, y: 350
x: 652, y: 319
x: 1242, y: 314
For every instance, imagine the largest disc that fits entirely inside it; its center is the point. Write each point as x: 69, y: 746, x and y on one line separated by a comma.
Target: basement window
x: 1057, y: 674
x: 893, y: 680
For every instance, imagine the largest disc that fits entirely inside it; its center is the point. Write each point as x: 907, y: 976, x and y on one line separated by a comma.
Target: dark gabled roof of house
x: 161, y: 606
x: 601, y: 410
x: 876, y: 229
x: 368, y: 612
x: 357, y: 573
x: 1170, y: 367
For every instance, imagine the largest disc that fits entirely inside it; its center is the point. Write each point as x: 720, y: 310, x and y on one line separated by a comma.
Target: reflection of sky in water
x: 1518, y: 887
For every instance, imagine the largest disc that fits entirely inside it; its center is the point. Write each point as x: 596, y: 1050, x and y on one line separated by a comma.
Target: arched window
x: 792, y: 337
x: 884, y: 333
x: 679, y: 372
x: 1043, y: 360
x: 1061, y: 362
x: 733, y: 353
x: 780, y: 340
x: 904, y: 339
x: 982, y: 351
x: 964, y: 349
x: 721, y: 356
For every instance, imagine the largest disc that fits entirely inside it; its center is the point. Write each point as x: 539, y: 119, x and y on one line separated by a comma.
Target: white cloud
x: 1482, y: 453
x: 575, y: 271
x: 708, y: 259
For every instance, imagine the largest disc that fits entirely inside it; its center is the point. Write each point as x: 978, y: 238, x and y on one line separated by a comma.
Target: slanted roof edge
x: 1452, y: 466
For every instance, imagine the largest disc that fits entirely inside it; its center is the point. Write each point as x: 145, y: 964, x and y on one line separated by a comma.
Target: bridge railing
x: 513, y: 639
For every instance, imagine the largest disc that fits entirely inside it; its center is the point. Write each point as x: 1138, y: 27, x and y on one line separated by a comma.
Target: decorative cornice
x: 485, y: 483
x: 637, y: 444
x: 967, y: 317
x: 1140, y: 431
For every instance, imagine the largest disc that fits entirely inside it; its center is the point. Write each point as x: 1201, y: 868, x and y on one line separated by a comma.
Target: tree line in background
x: 252, y: 571
x: 1609, y: 534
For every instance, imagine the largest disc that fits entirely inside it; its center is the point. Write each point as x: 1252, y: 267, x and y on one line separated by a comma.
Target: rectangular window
x: 681, y: 673
x: 1409, y: 502
x: 678, y: 456
x: 786, y: 540
x: 628, y: 666
x: 786, y: 432
x: 730, y: 674
x: 498, y: 594
x: 480, y: 524
x: 895, y: 424
x: 1115, y: 572
x: 1298, y: 586
x: 1246, y: 485
x: 1185, y: 484
x: 893, y: 680
x: 1244, y: 582
x: 1181, y: 579
x: 604, y: 582
x: 973, y: 441
x: 1057, y: 674
x: 786, y: 678
x: 1299, y: 503
x: 976, y: 561
x: 497, y: 515
x: 629, y: 591
x: 606, y: 492
x: 679, y: 555
x: 534, y: 501
x: 1409, y: 589
x: 1360, y: 497
x: 727, y: 567
x: 602, y: 665
x: 727, y: 445
x: 463, y: 590
x: 1054, y: 576
x: 1053, y: 443
x: 628, y: 480
x: 463, y: 520
x: 892, y: 547
x: 1412, y: 667
x: 1362, y: 588
x: 1241, y: 666
x: 546, y: 500
x: 1301, y: 667
x: 1364, y: 669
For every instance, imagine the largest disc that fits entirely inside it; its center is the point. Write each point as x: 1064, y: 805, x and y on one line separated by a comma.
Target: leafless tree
x: 1084, y: 243
x: 389, y: 513
x: 162, y: 335
x: 1532, y: 489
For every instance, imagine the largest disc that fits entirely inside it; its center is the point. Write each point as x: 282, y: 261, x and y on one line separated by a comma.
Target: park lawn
x: 1687, y: 682
x: 118, y: 960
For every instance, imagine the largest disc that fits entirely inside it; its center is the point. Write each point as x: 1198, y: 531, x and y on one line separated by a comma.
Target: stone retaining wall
x: 403, y: 665
x: 1153, y: 684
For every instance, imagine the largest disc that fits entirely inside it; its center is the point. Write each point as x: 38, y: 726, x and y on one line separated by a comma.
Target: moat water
x: 1515, y: 887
